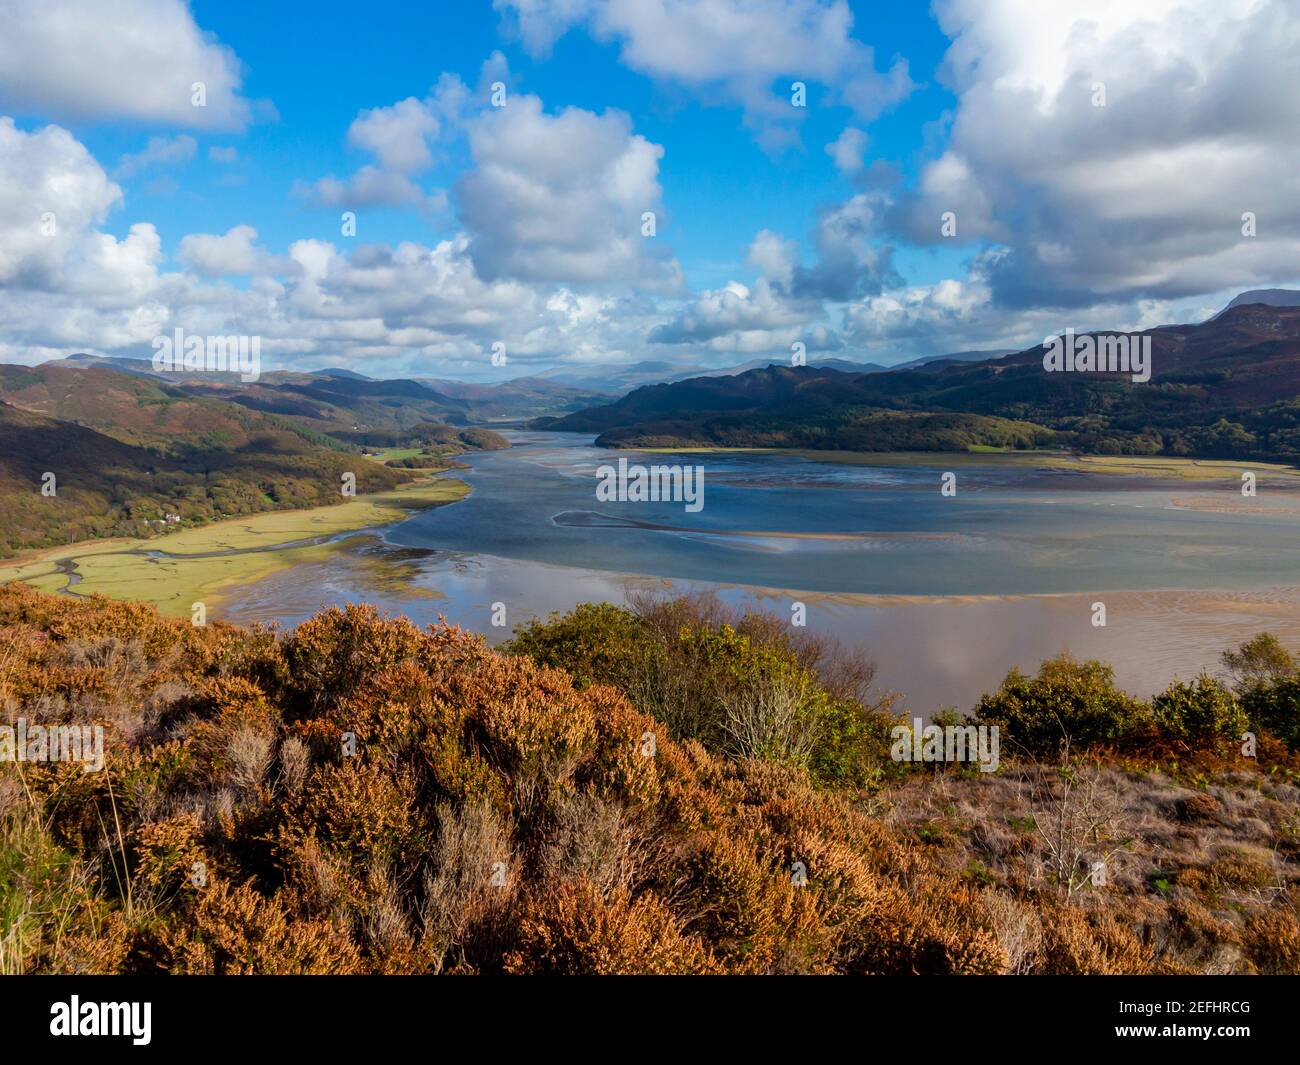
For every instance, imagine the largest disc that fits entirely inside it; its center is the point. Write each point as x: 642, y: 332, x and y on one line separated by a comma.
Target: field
x: 174, y: 572
x: 387, y: 453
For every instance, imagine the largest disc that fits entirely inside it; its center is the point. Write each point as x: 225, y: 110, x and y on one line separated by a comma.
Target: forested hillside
x: 1226, y: 388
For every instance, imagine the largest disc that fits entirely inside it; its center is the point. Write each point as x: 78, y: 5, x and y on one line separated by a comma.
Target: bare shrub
x: 769, y: 720
x: 473, y: 878
x: 295, y: 763
x: 385, y: 923
x: 1078, y: 818
x: 1017, y: 927
x: 161, y: 699
x: 318, y: 877
x: 111, y: 653
x: 592, y: 840
x: 220, y: 809
x: 250, y: 754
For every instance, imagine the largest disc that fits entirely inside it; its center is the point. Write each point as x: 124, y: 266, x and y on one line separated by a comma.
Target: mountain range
x: 621, y: 379
x: 1226, y: 387
x: 340, y: 399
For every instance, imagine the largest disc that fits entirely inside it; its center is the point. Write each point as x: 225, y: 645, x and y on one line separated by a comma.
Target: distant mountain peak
x: 338, y: 371
x: 1270, y: 297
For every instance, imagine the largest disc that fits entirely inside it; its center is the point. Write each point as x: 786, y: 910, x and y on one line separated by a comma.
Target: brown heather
x: 496, y: 818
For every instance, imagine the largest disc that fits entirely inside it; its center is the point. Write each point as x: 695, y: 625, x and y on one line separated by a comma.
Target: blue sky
x: 720, y: 185
x: 1069, y: 213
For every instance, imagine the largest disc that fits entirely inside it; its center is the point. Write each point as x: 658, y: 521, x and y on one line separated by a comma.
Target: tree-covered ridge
x: 1226, y: 388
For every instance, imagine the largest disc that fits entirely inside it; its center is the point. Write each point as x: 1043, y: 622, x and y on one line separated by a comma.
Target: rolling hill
x: 1227, y: 387
x: 345, y: 408
x: 127, y: 449
x: 150, y: 412
x: 105, y: 486
x: 338, y: 400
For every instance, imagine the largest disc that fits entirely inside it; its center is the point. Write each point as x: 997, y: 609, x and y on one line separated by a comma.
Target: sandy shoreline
x: 1162, y: 467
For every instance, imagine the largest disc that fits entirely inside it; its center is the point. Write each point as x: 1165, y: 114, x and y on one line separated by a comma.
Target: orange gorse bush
x: 364, y: 796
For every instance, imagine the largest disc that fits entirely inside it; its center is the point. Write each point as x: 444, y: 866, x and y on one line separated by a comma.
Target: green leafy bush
x: 1204, y: 711
x: 1275, y: 708
x: 739, y: 684
x: 1068, y: 704
x: 1260, y: 660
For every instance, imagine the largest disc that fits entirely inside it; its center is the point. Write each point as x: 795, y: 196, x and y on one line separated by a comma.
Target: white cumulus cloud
x: 131, y: 59
x: 733, y: 51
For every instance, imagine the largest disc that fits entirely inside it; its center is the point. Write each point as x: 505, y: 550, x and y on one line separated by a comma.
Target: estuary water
x: 944, y: 591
